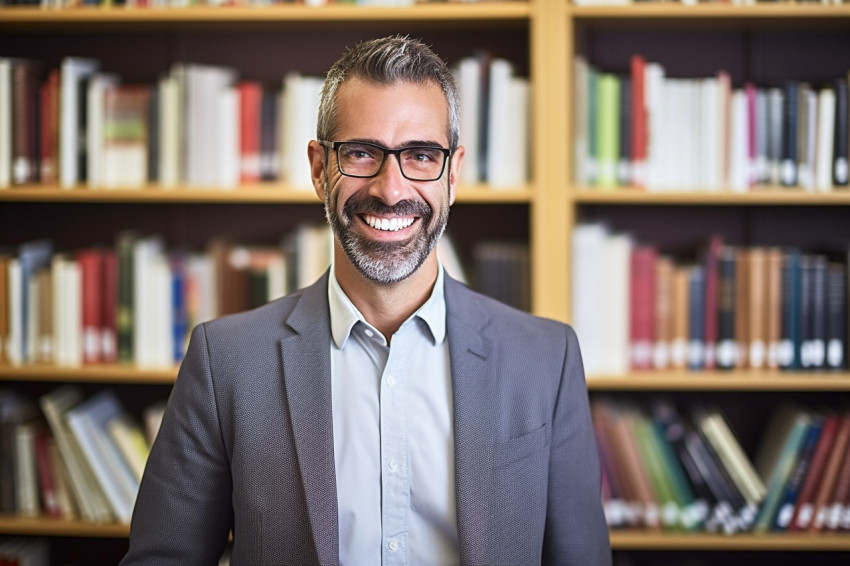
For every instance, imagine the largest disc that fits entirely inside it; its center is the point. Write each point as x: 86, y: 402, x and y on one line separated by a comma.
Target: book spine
x: 788, y: 164
x: 841, y: 149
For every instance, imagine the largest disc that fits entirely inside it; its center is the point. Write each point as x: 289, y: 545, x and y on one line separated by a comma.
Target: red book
x: 642, y: 291
x: 639, y: 139
x: 250, y: 105
x: 49, y: 502
x: 829, y: 478
x: 109, y: 307
x: 804, y: 508
x: 90, y: 262
x: 49, y: 138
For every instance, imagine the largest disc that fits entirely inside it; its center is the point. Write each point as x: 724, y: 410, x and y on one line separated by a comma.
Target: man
x: 386, y: 414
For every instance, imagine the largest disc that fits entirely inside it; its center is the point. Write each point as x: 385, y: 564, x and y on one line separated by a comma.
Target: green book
x: 608, y: 130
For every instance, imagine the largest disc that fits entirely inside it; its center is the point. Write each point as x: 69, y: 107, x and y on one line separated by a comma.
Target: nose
x: 390, y: 186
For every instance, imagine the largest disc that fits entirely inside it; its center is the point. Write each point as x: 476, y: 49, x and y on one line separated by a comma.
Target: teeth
x: 388, y: 224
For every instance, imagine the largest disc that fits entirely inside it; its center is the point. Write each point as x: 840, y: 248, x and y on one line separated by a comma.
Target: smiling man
x: 386, y: 414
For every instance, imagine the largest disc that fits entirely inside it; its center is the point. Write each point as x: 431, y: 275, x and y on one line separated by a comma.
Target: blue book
x: 790, y: 343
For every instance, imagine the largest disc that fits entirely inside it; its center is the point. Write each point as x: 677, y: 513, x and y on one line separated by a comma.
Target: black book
x: 817, y: 331
x: 788, y: 163
x: 696, y: 318
x: 806, y: 304
x: 790, y: 344
x: 841, y: 150
x: 727, y: 347
x: 836, y: 312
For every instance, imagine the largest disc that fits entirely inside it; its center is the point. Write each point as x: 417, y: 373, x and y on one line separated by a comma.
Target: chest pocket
x: 518, y: 448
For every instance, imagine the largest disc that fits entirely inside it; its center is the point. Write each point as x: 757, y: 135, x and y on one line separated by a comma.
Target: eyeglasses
x: 365, y: 160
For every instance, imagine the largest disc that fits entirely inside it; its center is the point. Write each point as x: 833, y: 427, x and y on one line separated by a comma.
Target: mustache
x: 370, y: 205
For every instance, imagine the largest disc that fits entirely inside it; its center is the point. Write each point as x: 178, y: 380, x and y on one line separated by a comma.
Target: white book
x: 808, y: 140
x: 468, y: 79
x: 517, y: 121
x: 5, y: 123
x: 162, y: 326
x: 169, y: 132
x: 87, y: 492
x: 588, y: 242
x: 228, y: 148
x: 498, y: 153
x: 94, y: 131
x: 72, y: 313
x: 709, y: 135
x: 825, y: 139
x: 87, y: 422
x: 615, y: 304
x: 74, y: 71
x: 655, y: 112
x: 204, y: 122
x: 738, y: 147
x: 145, y: 252
x: 300, y: 113
x: 14, y: 339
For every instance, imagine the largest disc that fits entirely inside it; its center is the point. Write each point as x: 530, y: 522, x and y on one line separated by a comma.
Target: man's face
x: 388, y: 225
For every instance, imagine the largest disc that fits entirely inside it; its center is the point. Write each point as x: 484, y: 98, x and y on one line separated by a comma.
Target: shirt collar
x: 344, y: 315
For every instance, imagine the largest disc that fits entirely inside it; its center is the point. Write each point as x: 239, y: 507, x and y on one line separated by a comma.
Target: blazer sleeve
x: 576, y: 532
x: 183, y: 512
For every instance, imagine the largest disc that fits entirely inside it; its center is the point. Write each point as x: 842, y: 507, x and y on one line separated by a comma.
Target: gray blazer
x: 247, y: 442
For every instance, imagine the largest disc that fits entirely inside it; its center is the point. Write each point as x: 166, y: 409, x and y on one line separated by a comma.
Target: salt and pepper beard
x: 385, y: 262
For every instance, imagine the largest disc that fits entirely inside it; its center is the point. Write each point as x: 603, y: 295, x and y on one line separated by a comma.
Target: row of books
x: 646, y: 130
x: 137, y: 301
x: 502, y: 271
x: 663, y: 470
x: 201, y: 126
x: 737, y: 307
x: 76, y: 457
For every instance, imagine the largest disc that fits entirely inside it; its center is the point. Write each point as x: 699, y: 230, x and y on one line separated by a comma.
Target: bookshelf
x: 542, y: 36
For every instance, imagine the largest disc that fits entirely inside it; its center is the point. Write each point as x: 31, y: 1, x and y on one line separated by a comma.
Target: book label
x: 835, y: 353
x: 758, y: 352
x: 841, y: 170
x: 785, y: 353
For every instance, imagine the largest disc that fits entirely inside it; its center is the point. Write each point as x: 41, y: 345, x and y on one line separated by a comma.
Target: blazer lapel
x: 474, y: 419
x: 307, y: 376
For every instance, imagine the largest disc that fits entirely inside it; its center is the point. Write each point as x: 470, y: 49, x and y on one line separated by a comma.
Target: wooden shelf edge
x: 269, y: 194
x: 101, y: 373
x: 667, y: 10
x: 441, y: 11
x: 643, y: 540
x: 585, y: 195
x: 719, y: 381
x: 40, y: 526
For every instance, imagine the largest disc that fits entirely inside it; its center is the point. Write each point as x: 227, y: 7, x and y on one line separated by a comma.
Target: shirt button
x: 392, y: 545
x: 392, y: 465
x: 368, y: 333
x: 391, y: 381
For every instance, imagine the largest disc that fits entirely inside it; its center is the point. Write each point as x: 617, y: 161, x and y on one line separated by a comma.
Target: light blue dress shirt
x: 393, y: 436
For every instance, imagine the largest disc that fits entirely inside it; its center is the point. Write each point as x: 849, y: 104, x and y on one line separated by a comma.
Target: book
x: 841, y: 149
x: 88, y: 422
x: 804, y: 507
x: 124, y: 143
x: 73, y: 85
x: 822, y: 500
x: 86, y: 490
x: 794, y: 483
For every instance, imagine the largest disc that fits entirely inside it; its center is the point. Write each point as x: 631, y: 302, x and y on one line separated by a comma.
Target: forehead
x: 392, y: 114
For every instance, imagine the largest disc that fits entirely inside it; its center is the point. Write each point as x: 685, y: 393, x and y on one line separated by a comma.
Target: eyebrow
x: 406, y: 144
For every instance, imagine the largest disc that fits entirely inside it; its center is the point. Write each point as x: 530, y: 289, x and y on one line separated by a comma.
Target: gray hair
x: 386, y: 61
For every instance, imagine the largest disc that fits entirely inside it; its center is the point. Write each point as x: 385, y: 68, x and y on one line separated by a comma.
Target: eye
x: 358, y: 152
x: 422, y: 155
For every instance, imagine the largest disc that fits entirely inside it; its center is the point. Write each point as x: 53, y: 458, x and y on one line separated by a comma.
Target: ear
x: 316, y: 155
x: 454, y: 172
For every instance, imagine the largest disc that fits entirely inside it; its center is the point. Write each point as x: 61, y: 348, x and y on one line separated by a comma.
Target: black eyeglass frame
x: 335, y: 145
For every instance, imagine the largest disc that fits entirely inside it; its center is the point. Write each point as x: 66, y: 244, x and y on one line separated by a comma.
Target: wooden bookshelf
x: 40, y: 526
x: 759, y: 197
x: 717, y: 10
x: 644, y: 540
x: 95, y: 373
x: 718, y: 381
x: 270, y: 193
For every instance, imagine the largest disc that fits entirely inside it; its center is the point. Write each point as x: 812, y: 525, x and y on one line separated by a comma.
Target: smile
x: 388, y: 224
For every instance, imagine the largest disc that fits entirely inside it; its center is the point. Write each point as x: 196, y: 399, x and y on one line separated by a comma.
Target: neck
x: 386, y: 307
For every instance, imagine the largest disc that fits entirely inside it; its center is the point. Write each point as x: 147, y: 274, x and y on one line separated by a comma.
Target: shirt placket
x: 395, y: 473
